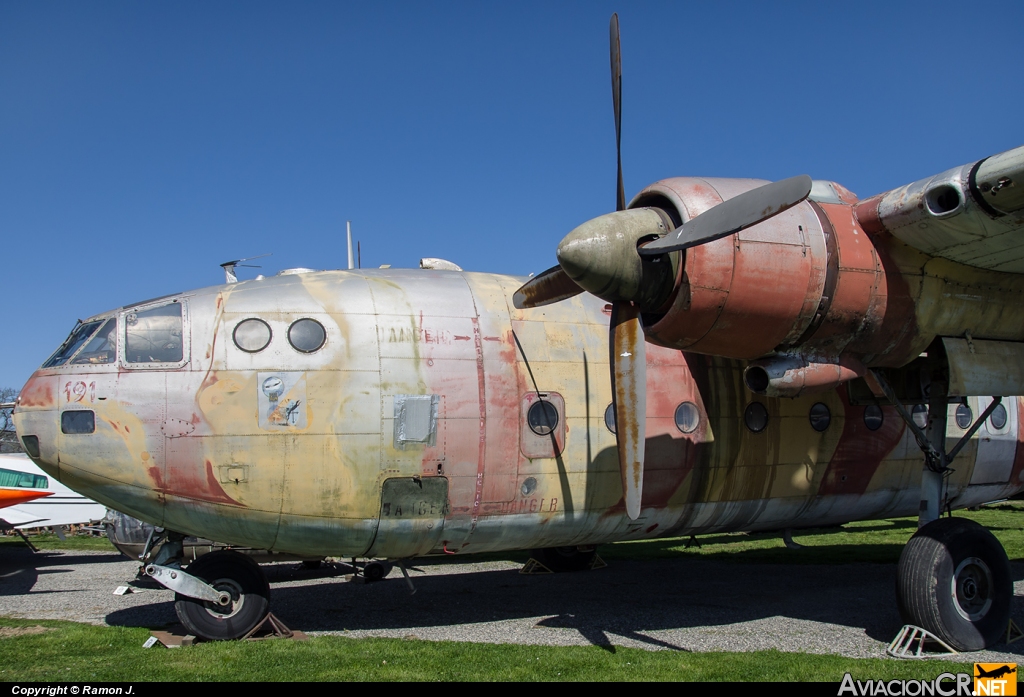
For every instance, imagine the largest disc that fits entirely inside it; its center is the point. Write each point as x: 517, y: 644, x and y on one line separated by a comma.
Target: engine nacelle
x: 808, y: 278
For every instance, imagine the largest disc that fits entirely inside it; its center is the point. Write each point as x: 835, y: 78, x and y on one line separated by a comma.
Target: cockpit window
x: 154, y: 335
x: 22, y: 480
x: 79, y: 335
x: 102, y: 348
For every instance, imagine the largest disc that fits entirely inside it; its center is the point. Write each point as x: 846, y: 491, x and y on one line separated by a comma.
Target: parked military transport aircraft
x: 781, y: 355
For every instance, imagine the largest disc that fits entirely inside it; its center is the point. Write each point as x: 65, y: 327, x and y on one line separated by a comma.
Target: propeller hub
x: 601, y: 257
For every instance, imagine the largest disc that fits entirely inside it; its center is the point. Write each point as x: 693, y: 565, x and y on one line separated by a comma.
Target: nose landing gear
x: 242, y: 580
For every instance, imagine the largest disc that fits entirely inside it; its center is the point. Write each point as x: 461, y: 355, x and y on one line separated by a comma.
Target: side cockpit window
x: 22, y: 480
x: 154, y: 335
x: 102, y: 348
x: 79, y: 335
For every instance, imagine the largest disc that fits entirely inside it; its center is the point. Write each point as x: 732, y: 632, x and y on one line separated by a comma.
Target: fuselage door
x: 997, y: 443
x: 412, y: 511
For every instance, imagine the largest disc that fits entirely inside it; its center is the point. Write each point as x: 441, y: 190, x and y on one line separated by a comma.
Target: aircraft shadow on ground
x: 627, y: 599
x: 20, y: 568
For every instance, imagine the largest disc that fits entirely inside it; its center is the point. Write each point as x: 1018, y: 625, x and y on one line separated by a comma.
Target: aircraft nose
x: 35, y: 420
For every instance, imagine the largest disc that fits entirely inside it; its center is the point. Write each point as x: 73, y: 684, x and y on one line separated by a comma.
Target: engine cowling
x: 807, y: 280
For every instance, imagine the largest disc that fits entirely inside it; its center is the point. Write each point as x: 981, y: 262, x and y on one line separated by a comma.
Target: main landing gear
x: 953, y: 578
x: 954, y: 581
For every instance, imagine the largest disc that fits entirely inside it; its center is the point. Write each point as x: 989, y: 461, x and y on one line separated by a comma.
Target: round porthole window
x: 306, y: 335
x: 964, y: 416
x: 920, y: 415
x: 820, y: 417
x: 873, y: 417
x: 252, y: 335
x: 542, y: 418
x: 997, y: 420
x: 687, y: 417
x: 755, y: 416
x: 529, y: 486
x: 609, y: 418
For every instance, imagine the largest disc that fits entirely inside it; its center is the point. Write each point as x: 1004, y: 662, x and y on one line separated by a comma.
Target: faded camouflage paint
x: 185, y: 449
x: 784, y: 285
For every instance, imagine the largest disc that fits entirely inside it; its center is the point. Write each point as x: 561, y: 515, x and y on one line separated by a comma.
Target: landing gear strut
x: 953, y: 578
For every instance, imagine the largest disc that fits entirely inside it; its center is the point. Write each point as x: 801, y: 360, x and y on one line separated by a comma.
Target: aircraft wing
x: 19, y: 519
x: 972, y: 215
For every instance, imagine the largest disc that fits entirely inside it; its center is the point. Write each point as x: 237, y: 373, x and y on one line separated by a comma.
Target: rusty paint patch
x: 38, y: 392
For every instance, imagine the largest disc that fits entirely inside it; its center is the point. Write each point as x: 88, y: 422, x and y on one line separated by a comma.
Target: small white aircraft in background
x: 39, y: 500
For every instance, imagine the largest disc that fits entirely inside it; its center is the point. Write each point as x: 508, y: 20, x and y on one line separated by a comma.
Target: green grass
x: 861, y: 542
x: 68, y: 651
x: 868, y: 541
x: 49, y: 541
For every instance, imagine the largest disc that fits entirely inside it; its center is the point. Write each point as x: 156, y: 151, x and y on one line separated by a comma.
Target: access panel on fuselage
x: 439, y: 337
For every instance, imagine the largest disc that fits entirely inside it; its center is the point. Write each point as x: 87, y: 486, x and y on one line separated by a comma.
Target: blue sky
x: 142, y: 144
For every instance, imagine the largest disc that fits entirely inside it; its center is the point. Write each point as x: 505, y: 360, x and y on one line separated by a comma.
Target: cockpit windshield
x: 102, y: 348
x: 79, y: 335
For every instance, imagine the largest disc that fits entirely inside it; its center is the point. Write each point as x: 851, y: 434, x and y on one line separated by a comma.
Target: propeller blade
x: 616, y: 53
x: 545, y: 288
x: 629, y: 392
x: 733, y: 215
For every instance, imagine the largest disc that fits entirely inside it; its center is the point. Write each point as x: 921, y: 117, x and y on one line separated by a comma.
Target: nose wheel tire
x: 243, y: 580
x: 954, y: 580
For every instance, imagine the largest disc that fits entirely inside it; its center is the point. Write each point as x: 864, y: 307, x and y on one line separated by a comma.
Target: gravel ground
x: 690, y: 605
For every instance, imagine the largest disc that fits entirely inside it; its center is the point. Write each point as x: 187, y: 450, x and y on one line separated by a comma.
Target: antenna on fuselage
x: 229, y: 267
x: 348, y: 232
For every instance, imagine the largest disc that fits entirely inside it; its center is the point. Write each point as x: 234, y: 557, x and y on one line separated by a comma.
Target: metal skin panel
x: 858, y: 302
x: 996, y: 447
x: 984, y: 367
x: 316, y: 489
x: 746, y: 294
x: 970, y: 214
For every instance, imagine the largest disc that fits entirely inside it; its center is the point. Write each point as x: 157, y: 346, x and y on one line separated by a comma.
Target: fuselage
x: 429, y: 415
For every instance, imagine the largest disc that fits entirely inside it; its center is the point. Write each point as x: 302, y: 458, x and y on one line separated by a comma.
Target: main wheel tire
x: 561, y: 559
x: 240, y: 576
x: 954, y: 580
x: 376, y: 571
